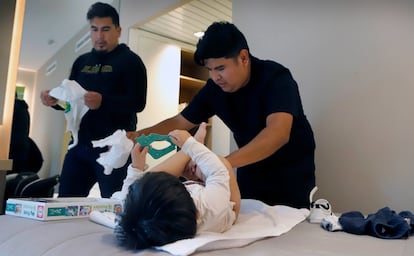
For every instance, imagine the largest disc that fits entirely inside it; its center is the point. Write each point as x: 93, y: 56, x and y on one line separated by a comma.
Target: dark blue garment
x: 385, y: 223
x: 408, y: 216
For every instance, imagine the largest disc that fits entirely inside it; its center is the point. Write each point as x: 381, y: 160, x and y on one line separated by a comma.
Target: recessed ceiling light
x: 199, y: 34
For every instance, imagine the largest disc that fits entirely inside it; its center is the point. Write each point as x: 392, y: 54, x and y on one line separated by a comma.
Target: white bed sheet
x: 21, y: 237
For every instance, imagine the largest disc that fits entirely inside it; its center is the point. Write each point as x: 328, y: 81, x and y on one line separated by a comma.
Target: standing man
x: 116, y: 83
x: 260, y: 103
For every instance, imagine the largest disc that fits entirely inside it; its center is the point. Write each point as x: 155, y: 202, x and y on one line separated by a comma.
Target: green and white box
x: 59, y: 208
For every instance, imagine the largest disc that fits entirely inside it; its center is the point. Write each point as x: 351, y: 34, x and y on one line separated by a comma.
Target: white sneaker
x: 319, y: 209
x: 331, y: 223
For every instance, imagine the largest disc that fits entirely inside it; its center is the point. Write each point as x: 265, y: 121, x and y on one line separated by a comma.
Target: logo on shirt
x: 96, y: 69
x: 106, y: 69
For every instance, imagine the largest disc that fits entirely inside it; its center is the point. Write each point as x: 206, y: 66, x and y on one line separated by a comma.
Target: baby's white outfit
x: 212, y: 199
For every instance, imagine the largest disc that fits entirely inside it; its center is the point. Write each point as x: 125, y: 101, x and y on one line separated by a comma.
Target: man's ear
x: 119, y: 30
x: 244, y: 56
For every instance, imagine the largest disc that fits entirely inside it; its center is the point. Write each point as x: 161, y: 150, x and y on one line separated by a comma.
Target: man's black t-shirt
x: 271, y: 89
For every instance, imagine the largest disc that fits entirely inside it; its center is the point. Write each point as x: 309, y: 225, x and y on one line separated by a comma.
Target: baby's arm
x: 135, y: 171
x: 179, y: 164
x: 138, y: 156
x: 220, y: 178
x: 235, y: 195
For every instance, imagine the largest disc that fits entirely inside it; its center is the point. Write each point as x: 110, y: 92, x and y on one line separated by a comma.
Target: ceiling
x: 46, y: 28
x: 182, y: 22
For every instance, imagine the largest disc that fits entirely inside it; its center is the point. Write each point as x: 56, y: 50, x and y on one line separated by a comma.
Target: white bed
x: 20, y: 237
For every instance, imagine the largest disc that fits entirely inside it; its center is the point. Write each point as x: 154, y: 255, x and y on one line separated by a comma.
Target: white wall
x: 353, y: 61
x: 27, y: 79
x: 162, y: 60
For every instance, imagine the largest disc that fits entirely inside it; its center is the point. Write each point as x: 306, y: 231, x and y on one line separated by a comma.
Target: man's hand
x: 46, y: 99
x: 93, y: 100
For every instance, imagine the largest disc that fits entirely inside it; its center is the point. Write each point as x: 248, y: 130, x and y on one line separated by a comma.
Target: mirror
x: 46, y: 56
x: 41, y: 41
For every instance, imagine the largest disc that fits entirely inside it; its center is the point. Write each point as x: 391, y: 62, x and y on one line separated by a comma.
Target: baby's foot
x: 201, y: 133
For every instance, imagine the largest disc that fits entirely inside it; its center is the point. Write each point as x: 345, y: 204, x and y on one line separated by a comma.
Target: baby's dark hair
x: 103, y: 10
x: 158, y: 210
x: 221, y: 40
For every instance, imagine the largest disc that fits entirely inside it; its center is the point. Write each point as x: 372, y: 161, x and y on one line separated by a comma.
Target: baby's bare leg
x: 174, y: 164
x: 201, y: 133
x: 190, y: 169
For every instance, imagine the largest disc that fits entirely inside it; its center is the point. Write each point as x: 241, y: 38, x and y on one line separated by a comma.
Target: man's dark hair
x: 103, y: 10
x: 158, y: 210
x: 221, y: 39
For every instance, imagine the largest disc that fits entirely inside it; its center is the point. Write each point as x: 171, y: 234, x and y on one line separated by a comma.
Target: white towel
x: 257, y: 220
x: 119, y: 150
x: 70, y: 91
x: 104, y: 218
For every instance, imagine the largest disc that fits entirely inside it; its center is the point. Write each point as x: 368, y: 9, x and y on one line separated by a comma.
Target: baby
x: 160, y: 209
